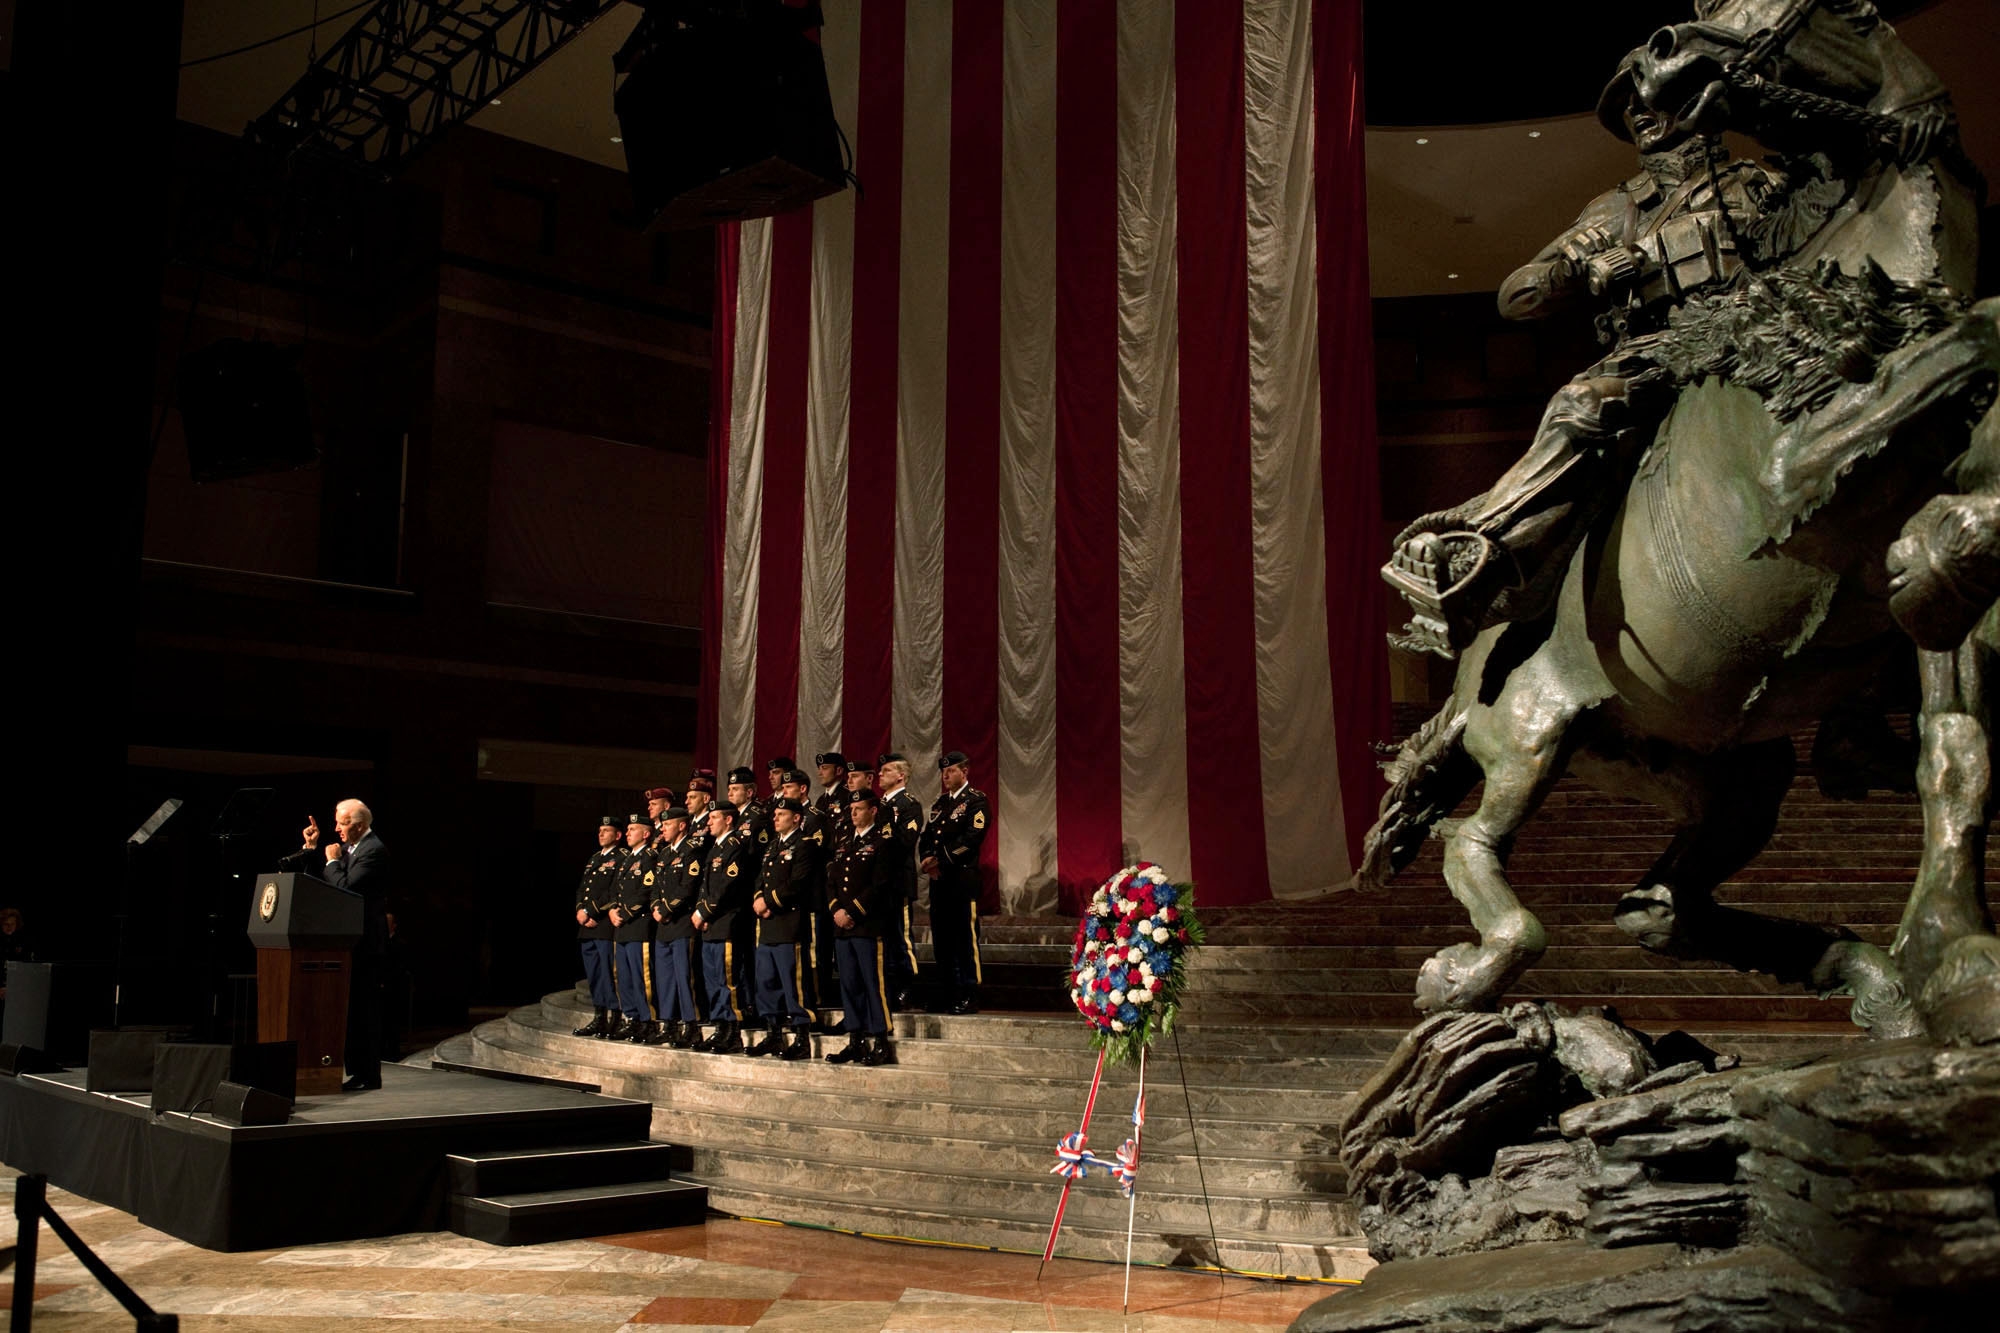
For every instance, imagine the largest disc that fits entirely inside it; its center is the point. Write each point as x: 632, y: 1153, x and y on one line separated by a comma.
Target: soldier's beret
x: 791, y: 803
x: 660, y: 793
x: 703, y: 780
x: 674, y: 812
x: 833, y: 757
x: 892, y: 757
x: 863, y: 796
x: 953, y: 757
x: 609, y: 821
x: 860, y: 766
x: 723, y: 808
x: 784, y: 763
x: 742, y: 776
x: 630, y: 820
x: 798, y: 775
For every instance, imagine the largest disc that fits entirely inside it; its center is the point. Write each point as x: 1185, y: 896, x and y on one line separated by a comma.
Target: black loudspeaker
x: 725, y: 113
x: 243, y: 410
x: 186, y: 1074
x: 54, y: 1007
x: 122, y: 1060
x: 24, y: 1060
x: 241, y: 1104
x: 28, y: 989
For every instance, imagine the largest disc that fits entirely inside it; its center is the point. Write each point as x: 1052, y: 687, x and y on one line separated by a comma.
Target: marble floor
x: 718, y: 1277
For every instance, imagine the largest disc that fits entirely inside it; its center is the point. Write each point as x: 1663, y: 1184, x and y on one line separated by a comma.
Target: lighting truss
x: 411, y: 69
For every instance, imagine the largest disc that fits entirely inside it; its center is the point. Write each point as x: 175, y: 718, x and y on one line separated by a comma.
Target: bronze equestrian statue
x: 1689, y: 565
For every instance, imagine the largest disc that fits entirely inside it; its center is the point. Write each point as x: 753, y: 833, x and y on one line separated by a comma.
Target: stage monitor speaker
x: 726, y: 115
x: 24, y: 1060
x: 186, y: 1073
x: 121, y: 1060
x: 243, y: 410
x: 241, y: 1104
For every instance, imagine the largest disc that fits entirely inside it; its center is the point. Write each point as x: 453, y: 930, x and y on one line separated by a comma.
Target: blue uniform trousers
x: 780, y: 980
x: 865, y: 1009
x: 597, y: 971
x: 718, y: 969
x: 673, y: 988
x: 632, y: 981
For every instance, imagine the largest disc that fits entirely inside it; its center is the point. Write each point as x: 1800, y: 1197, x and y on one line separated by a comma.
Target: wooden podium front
x: 305, y: 931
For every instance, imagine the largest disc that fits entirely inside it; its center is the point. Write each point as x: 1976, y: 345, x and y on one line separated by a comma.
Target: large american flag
x: 1054, y: 441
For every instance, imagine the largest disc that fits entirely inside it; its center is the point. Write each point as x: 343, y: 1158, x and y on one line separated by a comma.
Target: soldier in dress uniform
x: 594, y: 897
x: 727, y: 881
x: 859, y: 892
x: 905, y: 820
x: 753, y: 821
x: 775, y: 773
x: 674, y: 892
x: 822, y: 982
x: 782, y: 905
x: 657, y: 801
x: 632, y: 922
x: 700, y: 795
x: 832, y: 799
x: 950, y: 859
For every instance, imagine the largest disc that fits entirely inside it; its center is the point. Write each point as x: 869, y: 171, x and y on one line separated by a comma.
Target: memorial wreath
x: 1128, y: 964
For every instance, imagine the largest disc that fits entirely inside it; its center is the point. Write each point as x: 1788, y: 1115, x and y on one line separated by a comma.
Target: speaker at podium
x: 305, y: 930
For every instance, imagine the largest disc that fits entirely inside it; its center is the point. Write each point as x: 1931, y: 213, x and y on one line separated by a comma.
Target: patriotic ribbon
x: 1073, y: 1160
x: 1127, y: 1170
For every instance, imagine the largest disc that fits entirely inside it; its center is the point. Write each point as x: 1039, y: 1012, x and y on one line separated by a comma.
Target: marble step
x: 935, y: 1182
x: 1265, y: 962
x: 1315, y: 1255
x: 1030, y: 942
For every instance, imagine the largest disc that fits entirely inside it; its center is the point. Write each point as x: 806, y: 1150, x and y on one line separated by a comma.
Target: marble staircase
x: 1294, y: 1006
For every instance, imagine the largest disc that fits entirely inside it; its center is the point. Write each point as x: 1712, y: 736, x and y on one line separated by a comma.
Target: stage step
x: 536, y: 1217
x: 530, y: 1170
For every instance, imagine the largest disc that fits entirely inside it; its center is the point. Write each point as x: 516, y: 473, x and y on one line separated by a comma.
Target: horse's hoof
x: 1881, y: 1004
x: 1456, y: 979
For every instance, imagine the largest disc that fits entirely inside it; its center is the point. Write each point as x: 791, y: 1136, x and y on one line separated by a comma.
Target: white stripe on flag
x: 917, y: 692
x: 1152, y: 680
x: 823, y: 570
x: 1027, y: 679
x: 1304, y: 839
x: 742, y: 542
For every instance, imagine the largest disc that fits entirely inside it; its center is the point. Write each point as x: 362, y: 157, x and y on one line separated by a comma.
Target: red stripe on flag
x: 871, y: 458
x: 972, y: 409
x: 1218, y: 607
x: 722, y: 366
x: 1349, y: 468
x: 1089, y: 833
x: 781, y: 547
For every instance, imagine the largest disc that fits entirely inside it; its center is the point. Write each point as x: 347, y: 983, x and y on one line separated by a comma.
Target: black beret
x: 630, y: 820
x: 742, y: 776
x: 791, y: 803
x: 723, y: 808
x: 609, y: 821
x: 863, y: 796
x: 953, y: 757
x: 891, y: 758
x: 798, y: 775
x: 783, y: 763
x: 674, y: 812
x: 833, y: 757
x: 860, y: 766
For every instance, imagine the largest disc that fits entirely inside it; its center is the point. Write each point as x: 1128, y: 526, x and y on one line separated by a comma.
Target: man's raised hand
x: 311, y: 833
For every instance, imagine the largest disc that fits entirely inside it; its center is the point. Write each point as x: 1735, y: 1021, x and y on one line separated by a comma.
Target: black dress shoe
x: 902, y: 1000
x: 879, y: 1052
x: 360, y: 1084
x: 857, y: 1046
x: 964, y: 1005
x: 800, y: 1047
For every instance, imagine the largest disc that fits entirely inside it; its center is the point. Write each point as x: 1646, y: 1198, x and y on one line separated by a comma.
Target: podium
x: 305, y: 931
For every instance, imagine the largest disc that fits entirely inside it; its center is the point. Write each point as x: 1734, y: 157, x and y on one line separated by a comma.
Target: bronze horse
x: 1738, y: 591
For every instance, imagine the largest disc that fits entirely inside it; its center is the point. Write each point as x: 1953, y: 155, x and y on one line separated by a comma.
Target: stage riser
x: 564, y: 1168
x: 676, y: 1205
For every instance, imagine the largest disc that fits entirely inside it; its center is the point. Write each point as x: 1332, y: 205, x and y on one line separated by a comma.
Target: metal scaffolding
x: 411, y: 69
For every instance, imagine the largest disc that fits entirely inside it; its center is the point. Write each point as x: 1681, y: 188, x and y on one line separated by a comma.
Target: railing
x: 31, y: 1209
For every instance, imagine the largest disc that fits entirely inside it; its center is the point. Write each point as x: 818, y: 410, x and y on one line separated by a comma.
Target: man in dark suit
x: 359, y: 863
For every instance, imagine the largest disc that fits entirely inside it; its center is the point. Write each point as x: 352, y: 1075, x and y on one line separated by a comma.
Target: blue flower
x: 1164, y: 966
x: 1130, y: 1013
x: 1165, y: 895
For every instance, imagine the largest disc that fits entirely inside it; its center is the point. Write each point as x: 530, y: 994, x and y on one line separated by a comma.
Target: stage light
x: 1422, y: 141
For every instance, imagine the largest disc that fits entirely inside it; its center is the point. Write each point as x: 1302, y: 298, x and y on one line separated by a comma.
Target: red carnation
x: 1182, y: 935
x: 1124, y: 930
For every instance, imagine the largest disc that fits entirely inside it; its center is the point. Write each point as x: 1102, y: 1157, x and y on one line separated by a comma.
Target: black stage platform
x: 344, y: 1166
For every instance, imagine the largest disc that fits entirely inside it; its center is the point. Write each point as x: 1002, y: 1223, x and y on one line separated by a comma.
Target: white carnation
x: 1117, y: 1025
x: 1160, y: 935
x: 1142, y: 997
x: 1146, y: 971
x: 1118, y: 997
x: 1133, y: 955
x: 1090, y: 946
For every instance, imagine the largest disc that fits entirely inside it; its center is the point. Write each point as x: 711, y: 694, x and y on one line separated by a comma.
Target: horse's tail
x: 1429, y: 774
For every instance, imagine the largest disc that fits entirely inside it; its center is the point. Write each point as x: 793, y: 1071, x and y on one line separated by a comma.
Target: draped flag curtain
x: 1054, y: 441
